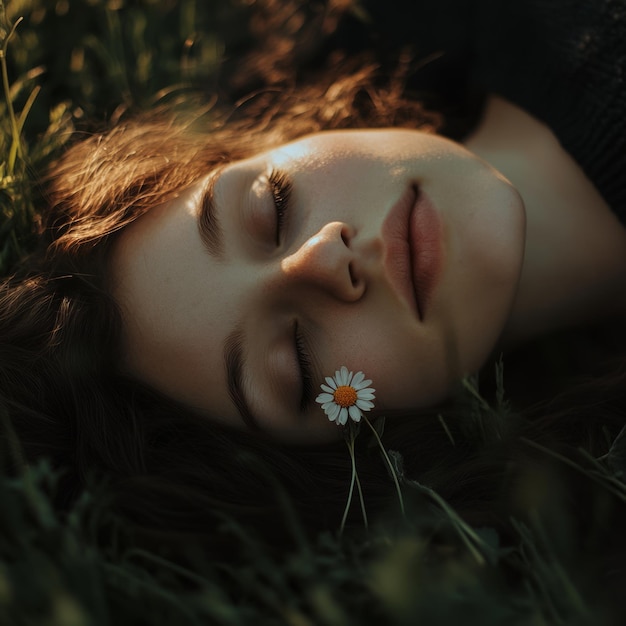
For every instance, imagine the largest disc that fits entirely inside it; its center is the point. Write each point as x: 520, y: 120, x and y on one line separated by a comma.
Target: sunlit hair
x: 107, y: 180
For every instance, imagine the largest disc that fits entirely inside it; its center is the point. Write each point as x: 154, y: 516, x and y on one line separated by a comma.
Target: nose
x: 327, y: 261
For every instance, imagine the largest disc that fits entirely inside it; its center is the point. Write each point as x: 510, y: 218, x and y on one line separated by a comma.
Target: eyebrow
x: 209, y: 226
x: 234, y: 360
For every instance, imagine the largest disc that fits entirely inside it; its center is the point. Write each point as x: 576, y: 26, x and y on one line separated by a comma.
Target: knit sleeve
x: 564, y: 61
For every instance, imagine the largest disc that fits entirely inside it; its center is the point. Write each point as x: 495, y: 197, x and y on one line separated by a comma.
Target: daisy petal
x: 365, y: 395
x: 333, y: 413
x: 362, y: 384
x: 331, y: 383
x: 355, y: 413
x: 366, y: 405
x: 324, y: 397
x: 328, y: 389
x: 343, y: 416
x: 342, y: 375
x: 358, y: 377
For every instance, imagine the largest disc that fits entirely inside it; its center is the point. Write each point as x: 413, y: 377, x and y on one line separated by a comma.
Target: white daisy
x: 346, y: 395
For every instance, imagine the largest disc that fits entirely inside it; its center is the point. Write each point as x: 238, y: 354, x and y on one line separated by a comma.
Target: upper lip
x: 398, y: 253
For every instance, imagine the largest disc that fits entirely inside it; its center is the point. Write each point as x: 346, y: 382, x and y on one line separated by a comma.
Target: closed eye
x: 281, y: 188
x: 304, y: 364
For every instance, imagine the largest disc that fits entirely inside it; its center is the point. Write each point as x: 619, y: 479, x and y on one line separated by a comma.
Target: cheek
x: 407, y: 369
x: 484, y: 263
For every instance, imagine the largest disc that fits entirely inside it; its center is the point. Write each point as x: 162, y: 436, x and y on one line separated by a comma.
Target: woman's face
x: 392, y: 252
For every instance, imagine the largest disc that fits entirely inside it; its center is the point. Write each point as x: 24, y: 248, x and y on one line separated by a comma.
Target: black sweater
x: 563, y: 61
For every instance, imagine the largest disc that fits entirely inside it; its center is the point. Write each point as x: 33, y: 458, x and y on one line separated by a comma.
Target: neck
x: 574, y: 267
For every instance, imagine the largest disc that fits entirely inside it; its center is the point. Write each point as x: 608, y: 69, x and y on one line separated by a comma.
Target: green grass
x: 67, y: 65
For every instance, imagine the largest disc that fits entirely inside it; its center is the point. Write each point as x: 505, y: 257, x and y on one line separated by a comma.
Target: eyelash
x: 304, y: 363
x: 281, y: 187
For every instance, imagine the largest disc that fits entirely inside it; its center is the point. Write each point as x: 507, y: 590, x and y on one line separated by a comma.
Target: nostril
x: 346, y: 233
x: 353, y: 279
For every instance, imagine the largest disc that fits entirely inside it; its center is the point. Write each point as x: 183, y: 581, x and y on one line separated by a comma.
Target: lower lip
x: 425, y: 239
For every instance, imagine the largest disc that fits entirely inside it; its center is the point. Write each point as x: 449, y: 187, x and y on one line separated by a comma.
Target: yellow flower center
x: 345, y: 396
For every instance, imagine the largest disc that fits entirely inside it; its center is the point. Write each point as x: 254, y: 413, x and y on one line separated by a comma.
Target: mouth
x: 412, y: 234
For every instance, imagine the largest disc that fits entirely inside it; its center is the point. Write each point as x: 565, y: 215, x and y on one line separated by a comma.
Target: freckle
x: 398, y: 171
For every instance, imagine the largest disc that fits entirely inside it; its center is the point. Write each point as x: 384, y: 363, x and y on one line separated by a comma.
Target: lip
x: 413, y: 248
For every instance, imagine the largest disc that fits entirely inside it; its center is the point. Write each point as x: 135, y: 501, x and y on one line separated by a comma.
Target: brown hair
x: 169, y: 471
x: 60, y: 329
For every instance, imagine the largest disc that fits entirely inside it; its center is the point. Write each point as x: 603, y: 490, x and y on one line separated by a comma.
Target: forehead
x: 318, y: 146
x: 164, y: 283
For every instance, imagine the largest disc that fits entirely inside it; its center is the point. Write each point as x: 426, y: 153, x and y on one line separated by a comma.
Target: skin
x: 326, y: 272
x: 575, y: 252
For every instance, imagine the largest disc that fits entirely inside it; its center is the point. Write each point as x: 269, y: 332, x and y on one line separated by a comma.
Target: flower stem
x: 350, y: 444
x: 362, y: 501
x: 388, y: 460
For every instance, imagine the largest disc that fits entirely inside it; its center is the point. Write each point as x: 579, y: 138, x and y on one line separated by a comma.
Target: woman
x: 198, y: 281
